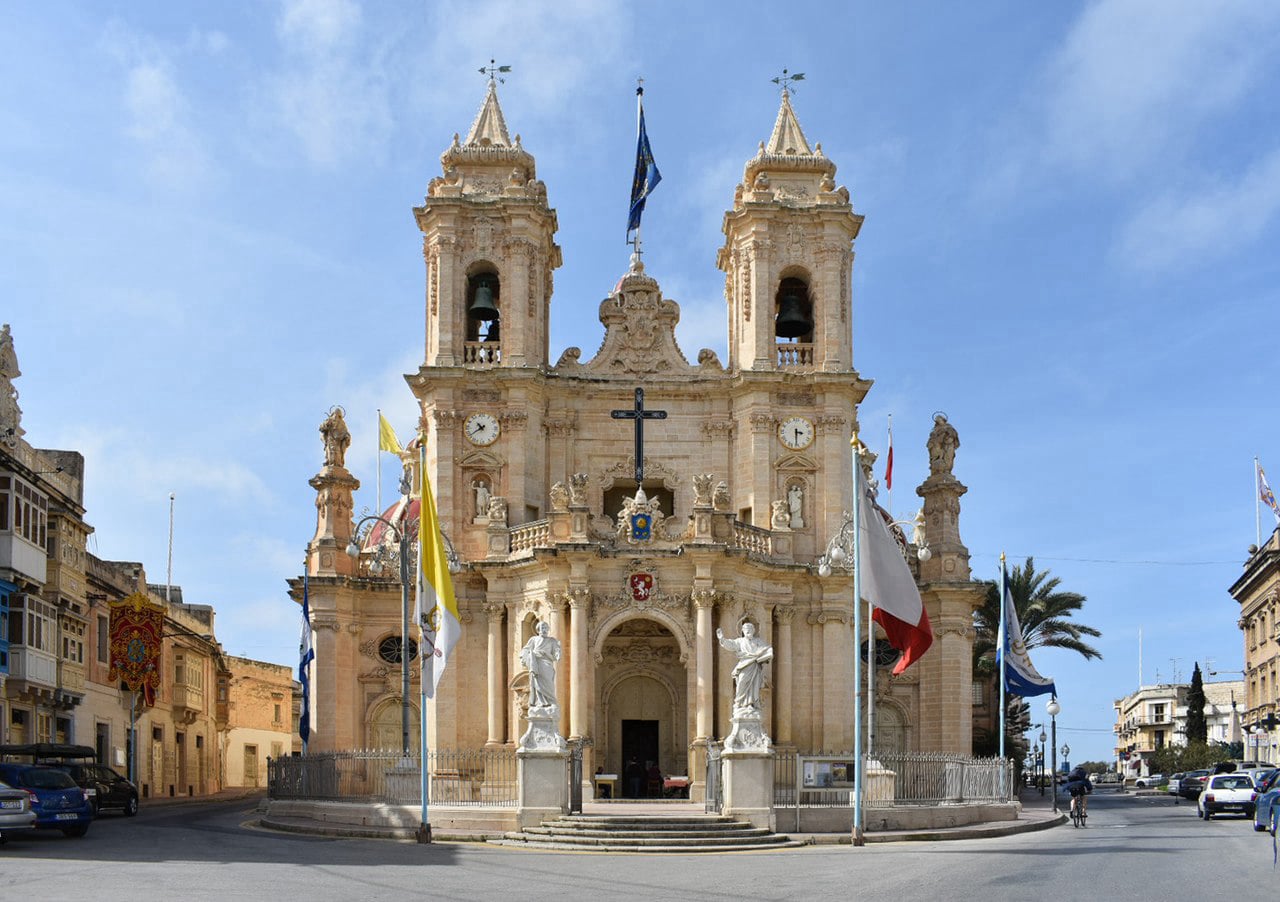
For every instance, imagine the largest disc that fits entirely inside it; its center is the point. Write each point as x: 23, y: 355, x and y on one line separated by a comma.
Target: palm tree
x: 1044, y: 613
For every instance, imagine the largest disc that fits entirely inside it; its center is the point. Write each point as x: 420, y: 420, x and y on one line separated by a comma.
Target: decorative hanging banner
x: 136, y: 629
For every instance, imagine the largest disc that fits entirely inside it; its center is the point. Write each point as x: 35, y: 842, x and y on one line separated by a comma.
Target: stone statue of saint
x: 481, y: 488
x: 333, y: 431
x: 539, y: 656
x: 943, y: 442
x: 748, y: 674
x: 795, y: 505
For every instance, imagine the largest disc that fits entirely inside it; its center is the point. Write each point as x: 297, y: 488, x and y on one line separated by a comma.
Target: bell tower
x: 489, y: 244
x: 788, y: 258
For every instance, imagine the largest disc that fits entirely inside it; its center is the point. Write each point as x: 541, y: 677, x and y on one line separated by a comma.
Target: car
x: 1191, y: 783
x: 59, y: 804
x: 15, y: 811
x: 1256, y: 774
x: 1149, y: 781
x: 1222, y: 793
x: 1266, y: 810
x: 1173, y: 783
x: 108, y: 790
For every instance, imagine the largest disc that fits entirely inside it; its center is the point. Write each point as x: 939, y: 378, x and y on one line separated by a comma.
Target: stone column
x: 837, y: 679
x: 579, y: 658
x: 704, y: 601
x: 782, y: 670
x: 555, y: 617
x: 497, y: 670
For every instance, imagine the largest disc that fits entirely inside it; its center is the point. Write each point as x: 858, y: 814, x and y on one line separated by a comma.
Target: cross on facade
x: 639, y: 414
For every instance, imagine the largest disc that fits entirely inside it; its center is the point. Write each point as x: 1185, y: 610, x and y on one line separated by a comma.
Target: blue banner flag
x: 1020, y: 675
x: 646, y: 177
x: 306, y: 655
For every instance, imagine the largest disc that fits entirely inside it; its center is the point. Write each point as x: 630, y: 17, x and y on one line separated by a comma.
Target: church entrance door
x: 639, y: 745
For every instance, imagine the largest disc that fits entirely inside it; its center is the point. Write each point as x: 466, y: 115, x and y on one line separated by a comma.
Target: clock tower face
x: 481, y: 429
x: 795, y: 433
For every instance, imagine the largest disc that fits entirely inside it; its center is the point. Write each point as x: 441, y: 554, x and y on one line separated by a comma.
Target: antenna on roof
x: 493, y: 70
x: 786, y: 80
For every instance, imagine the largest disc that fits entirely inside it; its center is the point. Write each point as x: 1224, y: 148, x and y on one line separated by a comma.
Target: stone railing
x: 792, y: 355
x: 482, y: 353
x: 751, y: 538
x: 529, y: 536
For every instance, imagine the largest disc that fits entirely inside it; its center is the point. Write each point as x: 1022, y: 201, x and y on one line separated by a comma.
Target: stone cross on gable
x: 639, y: 414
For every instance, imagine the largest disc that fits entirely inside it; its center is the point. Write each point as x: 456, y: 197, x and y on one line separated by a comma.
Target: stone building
x: 743, y: 483
x: 1155, y: 716
x: 259, y: 717
x: 1258, y: 593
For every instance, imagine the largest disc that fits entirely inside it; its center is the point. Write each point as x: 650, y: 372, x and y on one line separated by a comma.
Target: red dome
x: 401, y: 514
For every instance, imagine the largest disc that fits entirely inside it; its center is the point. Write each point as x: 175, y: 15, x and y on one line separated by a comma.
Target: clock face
x: 796, y: 433
x: 481, y: 429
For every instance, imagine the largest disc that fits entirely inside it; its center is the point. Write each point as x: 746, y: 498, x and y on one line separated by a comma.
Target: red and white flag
x: 887, y: 583
x: 888, y: 464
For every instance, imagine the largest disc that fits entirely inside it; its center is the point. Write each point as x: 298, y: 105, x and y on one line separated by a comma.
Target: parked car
x: 108, y: 790
x: 15, y: 811
x: 58, y: 802
x: 1191, y: 783
x: 1173, y: 783
x: 1234, y: 793
x: 1266, y: 811
x: 1256, y: 774
x: 1149, y: 781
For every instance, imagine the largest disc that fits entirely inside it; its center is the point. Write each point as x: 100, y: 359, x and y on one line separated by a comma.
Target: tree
x: 1197, y: 726
x: 1045, y: 615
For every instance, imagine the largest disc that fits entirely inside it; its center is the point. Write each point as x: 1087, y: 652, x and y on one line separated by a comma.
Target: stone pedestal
x: 544, y: 786
x: 543, y: 734
x: 748, y: 786
x: 746, y: 733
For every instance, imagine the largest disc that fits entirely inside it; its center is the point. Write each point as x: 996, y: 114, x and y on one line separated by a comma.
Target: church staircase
x: 648, y: 833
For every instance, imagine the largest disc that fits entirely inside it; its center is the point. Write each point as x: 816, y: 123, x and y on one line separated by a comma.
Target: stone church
x: 744, y: 482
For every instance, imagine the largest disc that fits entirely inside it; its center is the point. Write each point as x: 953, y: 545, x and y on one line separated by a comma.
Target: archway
x: 384, y: 726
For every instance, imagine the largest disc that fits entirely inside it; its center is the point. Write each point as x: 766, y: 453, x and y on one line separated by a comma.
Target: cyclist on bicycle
x: 1079, y: 786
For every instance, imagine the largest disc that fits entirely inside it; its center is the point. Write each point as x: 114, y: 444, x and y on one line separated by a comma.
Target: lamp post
x: 1052, y: 709
x: 375, y: 567
x: 1043, y: 739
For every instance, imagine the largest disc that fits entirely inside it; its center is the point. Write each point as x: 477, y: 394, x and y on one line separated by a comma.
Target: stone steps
x: 653, y: 833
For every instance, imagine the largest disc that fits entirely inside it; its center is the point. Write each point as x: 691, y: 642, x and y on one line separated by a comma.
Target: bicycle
x: 1079, y: 814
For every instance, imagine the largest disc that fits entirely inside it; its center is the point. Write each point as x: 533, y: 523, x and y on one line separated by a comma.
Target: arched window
x: 484, y: 293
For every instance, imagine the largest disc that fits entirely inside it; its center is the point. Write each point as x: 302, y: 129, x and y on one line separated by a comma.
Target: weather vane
x: 493, y: 69
x: 787, y: 80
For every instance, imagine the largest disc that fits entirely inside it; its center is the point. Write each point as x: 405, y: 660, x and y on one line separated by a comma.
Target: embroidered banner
x: 137, y: 626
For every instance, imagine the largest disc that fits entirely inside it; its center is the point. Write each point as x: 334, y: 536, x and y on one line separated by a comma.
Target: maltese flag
x: 888, y: 584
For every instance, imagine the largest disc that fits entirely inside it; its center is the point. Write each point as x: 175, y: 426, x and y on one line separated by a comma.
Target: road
x: 1134, y: 848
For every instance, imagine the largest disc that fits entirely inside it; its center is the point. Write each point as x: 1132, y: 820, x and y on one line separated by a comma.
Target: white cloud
x: 1198, y: 225
x: 1136, y: 76
x: 331, y: 92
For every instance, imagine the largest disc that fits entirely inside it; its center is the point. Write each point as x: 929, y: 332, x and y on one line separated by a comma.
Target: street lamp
x: 1052, y: 709
x: 1043, y: 739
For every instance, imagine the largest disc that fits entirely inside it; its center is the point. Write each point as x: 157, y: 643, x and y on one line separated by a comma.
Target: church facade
x: 742, y: 485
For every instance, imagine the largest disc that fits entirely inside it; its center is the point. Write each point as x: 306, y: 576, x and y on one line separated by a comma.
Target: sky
x: 1072, y: 211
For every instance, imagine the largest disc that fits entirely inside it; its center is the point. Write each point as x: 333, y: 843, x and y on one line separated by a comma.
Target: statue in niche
x: 539, y: 656
x: 336, y: 437
x: 481, y: 489
x: 559, y: 497
x: 795, y: 506
x: 942, y: 444
x: 748, y: 674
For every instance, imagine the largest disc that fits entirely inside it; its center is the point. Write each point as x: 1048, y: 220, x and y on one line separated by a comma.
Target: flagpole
x: 1002, y: 638
x: 379, y: 460
x: 635, y: 244
x: 888, y: 470
x: 424, y: 826
x: 1257, y: 499
x: 858, y: 839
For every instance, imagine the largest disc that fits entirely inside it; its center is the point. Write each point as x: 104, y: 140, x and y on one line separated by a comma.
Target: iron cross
x: 639, y: 414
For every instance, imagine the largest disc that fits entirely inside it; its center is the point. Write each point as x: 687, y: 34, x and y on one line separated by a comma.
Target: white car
x: 1174, y: 782
x: 15, y: 810
x: 1234, y: 793
x: 1148, y: 781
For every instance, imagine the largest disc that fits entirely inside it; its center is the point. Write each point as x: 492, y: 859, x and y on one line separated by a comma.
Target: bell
x: 791, y: 321
x: 482, y: 306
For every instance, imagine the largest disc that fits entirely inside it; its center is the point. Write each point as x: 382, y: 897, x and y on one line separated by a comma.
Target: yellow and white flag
x: 387, y: 440
x: 437, y: 609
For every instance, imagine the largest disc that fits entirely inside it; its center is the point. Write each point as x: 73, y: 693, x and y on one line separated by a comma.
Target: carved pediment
x: 640, y: 336
x: 798, y: 462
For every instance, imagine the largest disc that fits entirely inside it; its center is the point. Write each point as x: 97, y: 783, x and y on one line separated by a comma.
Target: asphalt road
x: 1134, y: 848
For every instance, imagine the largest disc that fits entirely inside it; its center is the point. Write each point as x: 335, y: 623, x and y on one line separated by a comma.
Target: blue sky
x: 205, y: 210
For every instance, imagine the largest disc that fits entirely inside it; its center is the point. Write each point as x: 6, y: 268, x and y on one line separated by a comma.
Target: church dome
x: 402, y: 512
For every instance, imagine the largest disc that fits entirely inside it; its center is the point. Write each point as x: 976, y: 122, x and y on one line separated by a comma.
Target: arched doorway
x: 384, y: 726
x: 644, y: 706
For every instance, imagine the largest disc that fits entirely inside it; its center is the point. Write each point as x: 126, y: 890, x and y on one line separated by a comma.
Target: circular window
x: 389, y: 649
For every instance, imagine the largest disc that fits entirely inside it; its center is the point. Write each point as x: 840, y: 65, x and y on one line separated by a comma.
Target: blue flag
x: 646, y: 177
x: 306, y: 655
x: 1020, y: 676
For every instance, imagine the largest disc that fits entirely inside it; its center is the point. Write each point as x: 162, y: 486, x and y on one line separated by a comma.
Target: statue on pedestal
x: 753, y: 653
x: 540, y: 655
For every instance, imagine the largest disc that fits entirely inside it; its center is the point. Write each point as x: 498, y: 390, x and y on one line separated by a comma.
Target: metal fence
x: 890, y: 780
x: 482, y: 778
